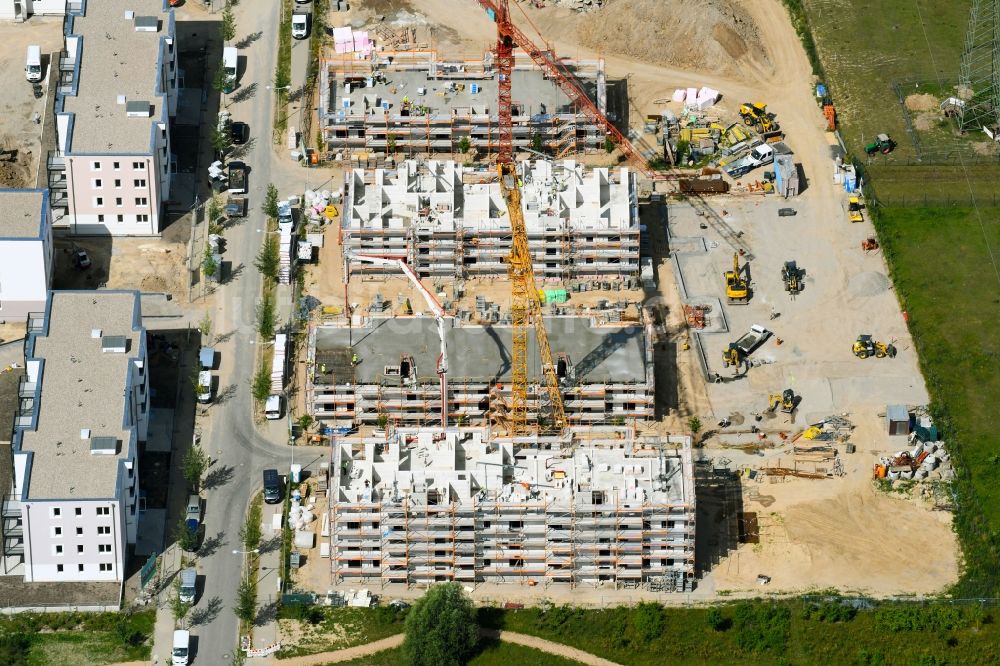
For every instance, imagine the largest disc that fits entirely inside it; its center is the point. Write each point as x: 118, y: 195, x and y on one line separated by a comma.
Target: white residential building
x: 110, y: 173
x: 71, y: 512
x: 25, y: 252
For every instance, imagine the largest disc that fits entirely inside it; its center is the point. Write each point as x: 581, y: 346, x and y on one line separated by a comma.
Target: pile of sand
x: 922, y: 102
x: 868, y: 283
x: 713, y: 35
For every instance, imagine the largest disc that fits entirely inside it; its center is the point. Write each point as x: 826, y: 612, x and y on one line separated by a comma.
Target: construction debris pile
x: 925, y: 461
x: 832, y: 428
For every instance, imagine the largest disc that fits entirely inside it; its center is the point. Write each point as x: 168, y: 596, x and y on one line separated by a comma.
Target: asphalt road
x: 230, y: 437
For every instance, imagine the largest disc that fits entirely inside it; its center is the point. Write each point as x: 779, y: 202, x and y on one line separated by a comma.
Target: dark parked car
x: 239, y: 133
x: 81, y: 260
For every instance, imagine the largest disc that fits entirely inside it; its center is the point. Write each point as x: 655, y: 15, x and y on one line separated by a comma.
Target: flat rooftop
x: 21, y: 213
x: 82, y: 387
x: 600, y: 354
x: 115, y: 60
x: 533, y: 94
x: 461, y: 465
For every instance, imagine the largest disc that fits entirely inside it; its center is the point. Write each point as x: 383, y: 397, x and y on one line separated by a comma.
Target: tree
x: 464, y: 144
x: 250, y: 531
x: 220, y: 81
x: 260, y: 388
x: 209, y: 266
x: 268, y: 258
x: 609, y: 145
x: 186, y: 539
x: 228, y: 28
x: 220, y: 139
x: 193, y: 466
x: 537, y: 144
x: 266, y: 316
x: 246, y: 602
x: 214, y: 210
x: 390, y: 145
x: 177, y: 607
x: 694, y: 425
x: 205, y: 327
x: 305, y: 421
x: 441, y: 628
x: 270, y: 205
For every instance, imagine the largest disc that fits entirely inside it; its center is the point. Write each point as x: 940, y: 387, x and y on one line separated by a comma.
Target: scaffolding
x: 547, y: 520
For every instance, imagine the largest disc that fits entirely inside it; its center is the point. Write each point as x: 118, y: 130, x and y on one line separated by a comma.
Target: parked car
x: 81, y: 260
x: 239, y: 133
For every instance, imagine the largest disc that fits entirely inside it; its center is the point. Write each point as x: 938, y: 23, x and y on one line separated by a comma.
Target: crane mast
x: 525, y: 305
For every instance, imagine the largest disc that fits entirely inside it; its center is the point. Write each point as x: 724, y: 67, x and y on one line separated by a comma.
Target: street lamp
x: 246, y: 564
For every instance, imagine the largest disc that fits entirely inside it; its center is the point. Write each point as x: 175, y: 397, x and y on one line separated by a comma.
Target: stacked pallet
x: 278, y: 363
x: 285, y: 254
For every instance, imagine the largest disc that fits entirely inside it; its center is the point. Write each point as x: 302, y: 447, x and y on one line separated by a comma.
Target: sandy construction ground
x: 837, y: 532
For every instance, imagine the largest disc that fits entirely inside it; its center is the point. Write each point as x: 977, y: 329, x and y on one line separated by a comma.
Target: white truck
x: 758, y: 156
x: 230, y: 63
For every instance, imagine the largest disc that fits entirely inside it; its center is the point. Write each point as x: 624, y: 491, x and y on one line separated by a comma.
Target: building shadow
x: 719, y: 497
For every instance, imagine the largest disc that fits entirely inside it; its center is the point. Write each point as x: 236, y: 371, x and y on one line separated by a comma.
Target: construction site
x: 416, y: 102
x: 538, y: 368
x: 595, y: 506
x: 581, y: 223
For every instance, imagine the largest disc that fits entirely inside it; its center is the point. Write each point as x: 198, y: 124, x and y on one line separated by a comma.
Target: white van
x: 272, y: 408
x: 188, y: 586
x: 300, y: 25
x: 229, y: 63
x: 204, y: 387
x: 33, y: 64
x: 182, y: 648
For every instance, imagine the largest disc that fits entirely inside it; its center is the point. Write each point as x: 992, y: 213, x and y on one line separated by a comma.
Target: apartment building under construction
x: 382, y: 370
x: 414, y: 102
x: 449, y: 221
x: 595, y: 507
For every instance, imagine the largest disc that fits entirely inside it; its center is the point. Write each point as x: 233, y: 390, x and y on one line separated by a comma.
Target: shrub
x: 648, y: 622
x: 762, y: 627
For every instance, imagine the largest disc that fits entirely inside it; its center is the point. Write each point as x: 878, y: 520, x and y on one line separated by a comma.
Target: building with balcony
x: 25, y: 252
x: 599, y: 507
x: 70, y: 503
x: 117, y: 90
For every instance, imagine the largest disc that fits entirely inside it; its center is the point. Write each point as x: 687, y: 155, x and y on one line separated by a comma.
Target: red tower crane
x: 509, y: 36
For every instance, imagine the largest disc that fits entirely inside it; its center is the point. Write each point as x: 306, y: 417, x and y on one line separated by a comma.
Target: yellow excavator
x: 737, y: 288
x: 754, y: 114
x: 865, y: 346
x: 786, y: 400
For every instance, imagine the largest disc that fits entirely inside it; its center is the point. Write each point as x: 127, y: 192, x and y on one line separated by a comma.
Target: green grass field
x: 946, y: 280
x: 72, y: 639
x: 492, y: 654
x: 790, y: 632
x: 867, y: 46
x: 327, y: 629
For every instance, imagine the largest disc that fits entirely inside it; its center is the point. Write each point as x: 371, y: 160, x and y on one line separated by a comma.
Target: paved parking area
x: 846, y: 292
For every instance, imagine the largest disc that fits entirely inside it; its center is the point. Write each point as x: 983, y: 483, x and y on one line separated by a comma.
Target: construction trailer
x: 592, y: 507
x: 413, y: 102
x: 383, y: 370
x: 449, y: 221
